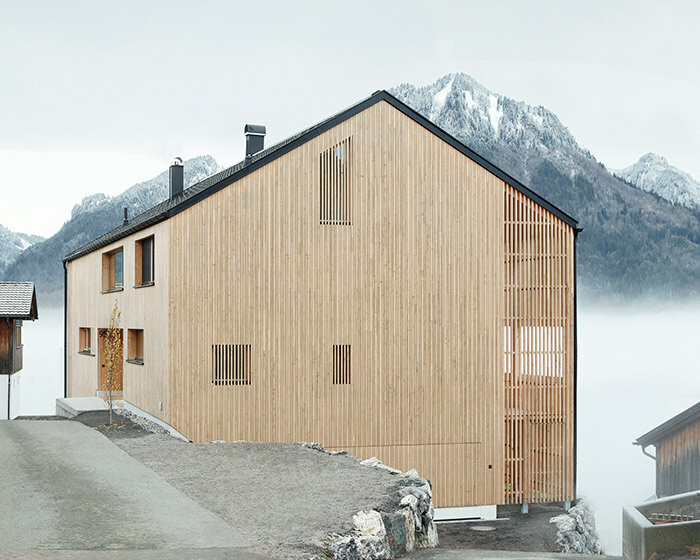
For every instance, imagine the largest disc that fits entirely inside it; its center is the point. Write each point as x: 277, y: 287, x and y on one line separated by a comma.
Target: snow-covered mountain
x: 95, y: 215
x: 12, y: 244
x: 653, y: 173
x: 634, y: 244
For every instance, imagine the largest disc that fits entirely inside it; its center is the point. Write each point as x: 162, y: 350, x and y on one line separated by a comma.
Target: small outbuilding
x: 677, y: 443
x: 17, y: 304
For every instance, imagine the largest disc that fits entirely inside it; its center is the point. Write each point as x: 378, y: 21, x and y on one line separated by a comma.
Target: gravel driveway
x: 284, y: 497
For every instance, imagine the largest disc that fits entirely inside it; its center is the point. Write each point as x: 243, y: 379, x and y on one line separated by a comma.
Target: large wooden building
x: 677, y: 443
x: 369, y: 283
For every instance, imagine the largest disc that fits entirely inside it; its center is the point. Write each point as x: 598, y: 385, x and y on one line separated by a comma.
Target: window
x: 113, y: 270
x: 144, y: 262
x: 18, y: 334
x: 335, y: 188
x: 135, y: 341
x: 84, y: 342
x: 231, y: 364
x: 341, y: 364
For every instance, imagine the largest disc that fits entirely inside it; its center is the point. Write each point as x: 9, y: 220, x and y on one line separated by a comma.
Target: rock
x: 396, y: 532
x: 314, y: 446
x: 377, y: 464
x: 576, y: 531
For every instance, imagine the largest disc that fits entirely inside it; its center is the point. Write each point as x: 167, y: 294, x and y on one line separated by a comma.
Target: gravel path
x: 285, y: 497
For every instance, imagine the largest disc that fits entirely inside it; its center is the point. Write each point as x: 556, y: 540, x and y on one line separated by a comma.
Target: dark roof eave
x: 669, y: 427
x: 193, y: 195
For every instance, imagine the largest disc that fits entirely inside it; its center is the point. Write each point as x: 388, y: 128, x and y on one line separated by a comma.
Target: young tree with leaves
x: 113, y: 355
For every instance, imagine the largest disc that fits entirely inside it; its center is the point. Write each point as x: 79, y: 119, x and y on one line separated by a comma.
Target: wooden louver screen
x: 538, y: 353
x: 231, y: 364
x: 335, y: 185
x: 341, y: 364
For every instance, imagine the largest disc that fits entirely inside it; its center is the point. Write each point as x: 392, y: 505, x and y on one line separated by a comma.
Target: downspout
x: 65, y: 330
x: 644, y: 450
x: 11, y: 355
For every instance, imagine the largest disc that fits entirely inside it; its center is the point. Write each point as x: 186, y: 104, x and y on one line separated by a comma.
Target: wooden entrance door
x: 117, y: 374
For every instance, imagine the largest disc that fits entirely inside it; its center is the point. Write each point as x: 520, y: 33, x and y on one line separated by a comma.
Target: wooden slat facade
x: 539, y: 353
x: 413, y: 286
x: 678, y: 461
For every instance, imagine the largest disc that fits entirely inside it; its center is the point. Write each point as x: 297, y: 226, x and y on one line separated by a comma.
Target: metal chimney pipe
x: 177, y: 177
x: 254, y: 140
x: 126, y: 215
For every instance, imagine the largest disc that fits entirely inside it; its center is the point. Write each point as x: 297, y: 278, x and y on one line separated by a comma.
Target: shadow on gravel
x: 531, y: 532
x: 120, y: 428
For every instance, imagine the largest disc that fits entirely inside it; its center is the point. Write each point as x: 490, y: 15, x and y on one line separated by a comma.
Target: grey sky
x: 95, y: 96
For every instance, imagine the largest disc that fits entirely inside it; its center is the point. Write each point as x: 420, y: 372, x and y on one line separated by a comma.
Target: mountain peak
x: 653, y: 173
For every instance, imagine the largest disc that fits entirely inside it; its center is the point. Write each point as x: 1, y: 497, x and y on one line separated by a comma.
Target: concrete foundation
x: 9, y: 393
x: 488, y: 513
x: 641, y: 538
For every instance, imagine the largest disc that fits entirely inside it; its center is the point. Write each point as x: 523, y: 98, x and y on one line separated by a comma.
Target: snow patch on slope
x: 439, y: 99
x: 495, y: 113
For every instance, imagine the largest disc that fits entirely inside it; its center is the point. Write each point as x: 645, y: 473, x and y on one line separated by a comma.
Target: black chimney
x: 254, y: 140
x: 177, y: 179
x: 126, y: 215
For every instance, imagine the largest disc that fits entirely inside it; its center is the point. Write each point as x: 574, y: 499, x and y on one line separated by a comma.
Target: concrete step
x: 71, y: 407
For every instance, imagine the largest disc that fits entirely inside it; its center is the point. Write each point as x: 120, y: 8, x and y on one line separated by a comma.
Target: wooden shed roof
x: 671, y: 426
x: 18, y: 300
x: 218, y: 181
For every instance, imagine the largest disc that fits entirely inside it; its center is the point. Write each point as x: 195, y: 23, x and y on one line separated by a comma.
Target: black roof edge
x: 667, y: 428
x: 286, y: 146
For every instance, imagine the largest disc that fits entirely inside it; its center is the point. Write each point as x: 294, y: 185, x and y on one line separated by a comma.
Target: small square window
x: 135, y: 339
x: 113, y: 270
x: 144, y: 265
x: 84, y: 342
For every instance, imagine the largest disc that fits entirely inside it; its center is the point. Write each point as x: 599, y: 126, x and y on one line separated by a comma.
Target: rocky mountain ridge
x: 653, y: 173
x: 12, y: 244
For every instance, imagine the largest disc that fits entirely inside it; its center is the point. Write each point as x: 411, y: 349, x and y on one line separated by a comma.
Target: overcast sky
x: 96, y: 96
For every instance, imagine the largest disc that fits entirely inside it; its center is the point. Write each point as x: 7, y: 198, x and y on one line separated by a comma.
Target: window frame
x: 135, y: 346
x: 138, y: 262
x: 109, y: 270
x: 82, y: 349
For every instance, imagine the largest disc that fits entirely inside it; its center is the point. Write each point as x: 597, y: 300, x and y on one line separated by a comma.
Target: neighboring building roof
x: 224, y: 178
x: 18, y: 300
x: 669, y: 427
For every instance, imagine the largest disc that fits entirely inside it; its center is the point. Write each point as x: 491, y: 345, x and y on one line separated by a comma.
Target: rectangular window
x: 231, y: 364
x: 341, y: 364
x: 144, y: 262
x: 135, y: 341
x: 18, y: 334
x: 113, y: 270
x: 335, y: 187
x: 84, y: 342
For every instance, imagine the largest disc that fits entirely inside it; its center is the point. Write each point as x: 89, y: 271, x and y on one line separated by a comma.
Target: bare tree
x: 113, y: 355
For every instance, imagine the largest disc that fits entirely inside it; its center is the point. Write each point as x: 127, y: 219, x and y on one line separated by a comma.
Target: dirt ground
x: 512, y: 530
x: 286, y: 497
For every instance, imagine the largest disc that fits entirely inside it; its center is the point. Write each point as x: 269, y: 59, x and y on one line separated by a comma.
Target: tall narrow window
x: 230, y: 364
x: 113, y: 270
x: 341, y: 364
x: 135, y: 340
x: 335, y: 189
x: 84, y: 342
x: 18, y: 334
x: 144, y: 262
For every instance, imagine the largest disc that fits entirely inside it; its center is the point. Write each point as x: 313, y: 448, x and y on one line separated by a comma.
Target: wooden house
x: 371, y: 284
x: 677, y: 443
x: 17, y: 304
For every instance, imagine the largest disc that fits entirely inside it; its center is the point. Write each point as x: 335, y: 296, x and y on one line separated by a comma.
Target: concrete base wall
x: 14, y: 395
x: 641, y: 538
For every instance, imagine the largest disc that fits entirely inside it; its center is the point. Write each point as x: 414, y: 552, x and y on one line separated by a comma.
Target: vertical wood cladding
x: 414, y: 285
x: 539, y: 357
x: 678, y: 461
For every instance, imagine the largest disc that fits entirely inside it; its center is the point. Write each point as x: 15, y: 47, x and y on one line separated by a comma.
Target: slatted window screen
x: 341, y: 364
x: 335, y: 184
x: 538, y: 353
x: 231, y: 364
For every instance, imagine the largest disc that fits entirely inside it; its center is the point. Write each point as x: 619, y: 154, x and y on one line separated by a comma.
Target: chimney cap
x: 256, y: 129
x: 177, y: 161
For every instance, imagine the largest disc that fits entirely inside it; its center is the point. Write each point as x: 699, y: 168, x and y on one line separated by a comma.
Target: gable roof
x: 218, y: 181
x: 18, y: 300
x: 671, y: 426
